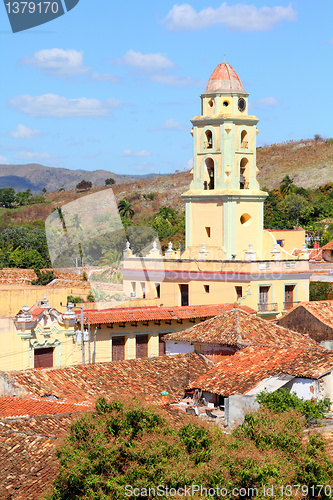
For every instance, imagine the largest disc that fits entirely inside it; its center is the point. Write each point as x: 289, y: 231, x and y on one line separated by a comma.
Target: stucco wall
x: 301, y: 320
x: 178, y: 347
x: 237, y: 406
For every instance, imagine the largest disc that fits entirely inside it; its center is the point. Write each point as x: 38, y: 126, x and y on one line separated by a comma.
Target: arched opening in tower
x: 208, y: 139
x: 244, y: 140
x: 209, y: 184
x: 244, y: 174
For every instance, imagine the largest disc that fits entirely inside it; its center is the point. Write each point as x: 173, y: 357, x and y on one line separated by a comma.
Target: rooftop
x: 146, y: 378
x: 320, y: 309
x: 224, y: 79
x: 239, y: 328
x: 120, y: 315
x: 243, y: 371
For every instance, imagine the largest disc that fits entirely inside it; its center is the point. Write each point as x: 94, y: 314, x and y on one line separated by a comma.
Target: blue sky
x: 113, y: 85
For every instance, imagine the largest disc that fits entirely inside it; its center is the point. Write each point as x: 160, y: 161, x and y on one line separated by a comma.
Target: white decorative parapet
x: 276, y: 253
x: 170, y: 253
x: 203, y: 252
x: 304, y: 253
x: 250, y: 254
x: 127, y: 252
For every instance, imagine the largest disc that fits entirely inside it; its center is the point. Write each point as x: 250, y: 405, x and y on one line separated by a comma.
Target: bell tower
x: 224, y: 206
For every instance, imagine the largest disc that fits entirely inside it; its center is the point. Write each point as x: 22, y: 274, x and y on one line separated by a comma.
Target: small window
x: 225, y: 104
x: 208, y: 139
x: 239, y: 292
x: 245, y: 219
x: 211, y: 103
x: 143, y: 290
x: 206, y: 288
x: 208, y: 231
x: 158, y: 290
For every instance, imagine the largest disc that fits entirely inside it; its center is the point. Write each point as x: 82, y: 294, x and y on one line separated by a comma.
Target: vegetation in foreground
x: 124, y: 443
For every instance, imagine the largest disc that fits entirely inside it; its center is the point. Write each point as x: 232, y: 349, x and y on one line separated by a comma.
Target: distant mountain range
x: 36, y: 177
x: 309, y: 162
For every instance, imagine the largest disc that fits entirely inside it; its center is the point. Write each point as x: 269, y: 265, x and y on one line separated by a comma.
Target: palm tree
x: 286, y: 185
x: 125, y: 209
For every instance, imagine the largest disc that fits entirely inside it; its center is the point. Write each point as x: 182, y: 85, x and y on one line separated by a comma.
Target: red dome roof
x: 224, y: 79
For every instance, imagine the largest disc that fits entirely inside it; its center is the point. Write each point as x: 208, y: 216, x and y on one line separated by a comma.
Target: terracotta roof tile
x: 241, y: 372
x: 239, y: 328
x: 320, y: 309
x: 143, y: 377
x: 28, y: 460
x: 328, y: 246
x: 156, y: 313
x: 14, y: 407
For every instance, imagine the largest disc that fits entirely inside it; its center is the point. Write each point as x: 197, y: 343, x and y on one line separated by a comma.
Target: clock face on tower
x: 241, y: 104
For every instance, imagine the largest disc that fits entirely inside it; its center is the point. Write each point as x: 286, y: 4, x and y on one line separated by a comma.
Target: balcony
x: 289, y: 305
x: 267, y: 307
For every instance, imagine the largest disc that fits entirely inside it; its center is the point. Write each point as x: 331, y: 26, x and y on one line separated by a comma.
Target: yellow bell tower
x: 224, y: 206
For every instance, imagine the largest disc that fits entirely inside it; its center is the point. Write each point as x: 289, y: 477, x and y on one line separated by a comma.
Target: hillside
x: 35, y: 177
x: 308, y: 162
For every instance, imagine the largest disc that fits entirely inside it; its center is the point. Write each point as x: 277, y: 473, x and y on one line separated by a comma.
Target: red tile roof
x: 13, y: 407
x: 320, y: 309
x: 239, y: 328
x: 127, y: 314
x: 146, y: 378
x: 328, y: 246
x: 240, y: 373
x: 28, y: 460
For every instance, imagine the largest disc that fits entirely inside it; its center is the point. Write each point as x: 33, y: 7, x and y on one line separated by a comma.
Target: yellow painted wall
x: 13, y: 297
x: 207, y: 214
x: 249, y: 231
x: 291, y: 238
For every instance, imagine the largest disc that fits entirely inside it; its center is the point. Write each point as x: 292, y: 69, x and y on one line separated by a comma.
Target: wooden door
x: 161, y: 346
x: 43, y: 358
x: 142, y: 346
x: 118, y: 348
x: 288, y: 296
x: 263, y: 298
x: 184, y: 295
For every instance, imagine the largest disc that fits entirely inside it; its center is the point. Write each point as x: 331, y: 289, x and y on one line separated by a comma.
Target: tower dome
x: 224, y: 79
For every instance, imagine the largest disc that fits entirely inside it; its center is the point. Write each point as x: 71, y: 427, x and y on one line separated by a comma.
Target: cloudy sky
x: 113, y: 85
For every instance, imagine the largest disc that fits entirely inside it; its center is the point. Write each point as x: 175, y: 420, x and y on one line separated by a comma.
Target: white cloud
x: 129, y: 152
x: 58, y: 62
x: 239, y: 17
x: 266, y: 101
x: 52, y: 105
x: 171, y: 124
x: 105, y: 77
x: 33, y: 156
x: 178, y: 81
x: 3, y: 159
x: 23, y: 132
x: 145, y: 61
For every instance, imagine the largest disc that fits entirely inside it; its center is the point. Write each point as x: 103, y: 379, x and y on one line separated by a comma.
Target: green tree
x: 320, y: 291
x: 298, y: 208
x: 7, y: 197
x: 125, y: 209
x: 110, y: 181
x: 124, y: 443
x: 22, y: 238
x: 25, y: 258
x: 286, y: 185
x: 43, y: 277
x: 22, y: 197
x: 84, y: 185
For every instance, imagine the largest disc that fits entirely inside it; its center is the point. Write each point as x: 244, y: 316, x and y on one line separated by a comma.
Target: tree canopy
x: 125, y: 447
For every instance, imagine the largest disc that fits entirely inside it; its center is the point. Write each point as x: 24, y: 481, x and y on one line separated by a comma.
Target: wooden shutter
x: 142, y: 346
x: 43, y: 358
x: 288, y: 296
x: 161, y: 346
x: 118, y: 348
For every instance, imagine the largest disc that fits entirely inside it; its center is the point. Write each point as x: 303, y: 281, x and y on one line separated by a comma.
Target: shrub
x: 43, y: 277
x: 283, y: 400
x: 75, y: 300
x: 124, y: 443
